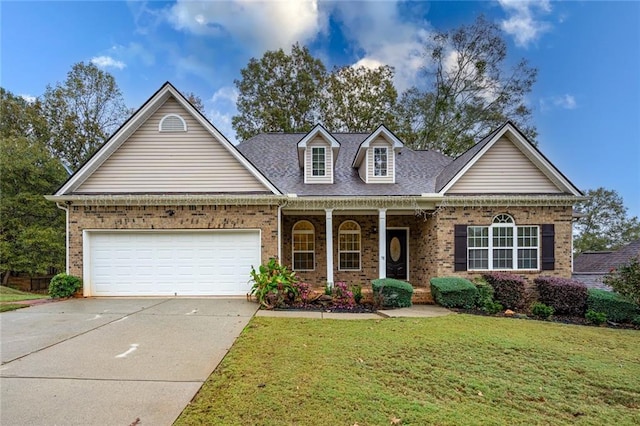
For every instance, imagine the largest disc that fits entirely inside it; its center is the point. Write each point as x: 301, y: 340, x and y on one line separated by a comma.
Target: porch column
x: 382, y: 243
x: 329, y: 244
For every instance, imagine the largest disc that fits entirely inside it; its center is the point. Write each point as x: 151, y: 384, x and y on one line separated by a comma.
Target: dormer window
x: 172, y: 123
x: 380, y: 161
x: 318, y: 161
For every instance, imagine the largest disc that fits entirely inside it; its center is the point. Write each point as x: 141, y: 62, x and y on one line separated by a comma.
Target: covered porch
x: 356, y: 246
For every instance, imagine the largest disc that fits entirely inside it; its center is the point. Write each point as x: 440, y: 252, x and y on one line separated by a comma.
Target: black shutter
x: 460, y: 248
x: 548, y: 247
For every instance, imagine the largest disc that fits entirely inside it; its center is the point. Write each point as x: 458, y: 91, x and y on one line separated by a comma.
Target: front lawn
x: 458, y: 369
x: 8, y: 294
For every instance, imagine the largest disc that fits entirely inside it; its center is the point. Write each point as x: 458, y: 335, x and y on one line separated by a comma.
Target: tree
x: 605, y: 224
x: 19, y: 117
x: 280, y: 92
x: 625, y: 280
x: 195, y: 100
x: 359, y: 99
x: 82, y: 112
x: 469, y: 91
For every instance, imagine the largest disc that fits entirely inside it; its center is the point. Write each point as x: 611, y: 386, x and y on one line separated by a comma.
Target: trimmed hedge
x: 509, y: 289
x: 565, y: 296
x: 453, y: 292
x: 617, y: 308
x: 392, y: 293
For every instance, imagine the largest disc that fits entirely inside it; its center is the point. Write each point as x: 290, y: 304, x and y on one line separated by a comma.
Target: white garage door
x: 158, y: 263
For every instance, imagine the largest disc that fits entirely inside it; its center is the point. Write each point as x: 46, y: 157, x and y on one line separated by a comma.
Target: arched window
x: 349, y: 246
x: 172, y: 123
x: 502, y: 245
x: 303, y: 246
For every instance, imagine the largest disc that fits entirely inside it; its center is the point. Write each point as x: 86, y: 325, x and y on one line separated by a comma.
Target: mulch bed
x: 358, y: 309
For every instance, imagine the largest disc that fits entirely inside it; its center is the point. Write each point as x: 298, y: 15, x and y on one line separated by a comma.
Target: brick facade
x: 431, y: 242
x: 446, y: 218
x: 158, y: 217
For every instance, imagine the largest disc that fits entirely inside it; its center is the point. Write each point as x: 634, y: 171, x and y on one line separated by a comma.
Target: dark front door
x: 397, y: 253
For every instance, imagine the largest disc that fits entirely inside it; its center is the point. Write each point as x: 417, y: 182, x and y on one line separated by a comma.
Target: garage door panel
x: 166, y: 263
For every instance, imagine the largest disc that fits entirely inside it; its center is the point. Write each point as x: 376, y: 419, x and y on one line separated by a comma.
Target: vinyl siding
x: 308, y: 162
x: 152, y: 161
x: 504, y: 169
x: 379, y: 143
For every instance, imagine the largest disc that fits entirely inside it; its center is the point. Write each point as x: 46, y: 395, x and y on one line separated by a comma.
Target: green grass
x: 8, y: 294
x: 458, y: 369
x: 5, y: 307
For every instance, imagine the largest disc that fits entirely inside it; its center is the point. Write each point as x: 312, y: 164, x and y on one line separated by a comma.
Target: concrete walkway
x: 415, y: 311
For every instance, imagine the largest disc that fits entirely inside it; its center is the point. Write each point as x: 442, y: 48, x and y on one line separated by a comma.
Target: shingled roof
x: 275, y: 155
x: 605, y: 261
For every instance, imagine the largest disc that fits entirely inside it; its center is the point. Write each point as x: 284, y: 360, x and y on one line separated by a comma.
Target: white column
x: 382, y: 243
x: 329, y: 244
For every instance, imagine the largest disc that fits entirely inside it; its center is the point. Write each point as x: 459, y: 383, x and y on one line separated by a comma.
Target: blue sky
x: 586, y: 101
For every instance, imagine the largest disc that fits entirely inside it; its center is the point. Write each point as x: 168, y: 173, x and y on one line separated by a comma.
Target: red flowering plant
x: 342, y: 296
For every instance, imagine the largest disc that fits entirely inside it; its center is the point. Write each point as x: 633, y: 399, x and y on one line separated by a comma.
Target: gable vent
x: 172, y: 123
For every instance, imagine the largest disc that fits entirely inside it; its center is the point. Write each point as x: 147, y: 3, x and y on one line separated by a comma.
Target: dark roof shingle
x: 605, y: 261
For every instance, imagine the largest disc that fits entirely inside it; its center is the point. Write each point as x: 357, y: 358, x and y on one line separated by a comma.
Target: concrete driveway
x: 112, y: 361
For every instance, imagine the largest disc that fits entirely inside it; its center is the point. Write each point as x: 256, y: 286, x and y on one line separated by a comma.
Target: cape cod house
x: 168, y: 206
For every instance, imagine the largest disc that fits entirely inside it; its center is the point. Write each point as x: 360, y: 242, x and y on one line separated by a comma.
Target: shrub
x: 273, y: 284
x: 392, y: 293
x: 541, y: 310
x: 63, y: 285
x: 342, y: 296
x: 625, y: 280
x: 509, y: 289
x: 594, y: 317
x: 356, y: 289
x: 453, y: 292
x: 566, y: 296
x: 636, y: 320
x: 303, y: 290
x: 492, y: 307
x: 616, y: 307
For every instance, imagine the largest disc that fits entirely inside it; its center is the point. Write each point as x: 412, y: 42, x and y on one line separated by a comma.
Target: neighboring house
x: 168, y: 206
x: 590, y: 267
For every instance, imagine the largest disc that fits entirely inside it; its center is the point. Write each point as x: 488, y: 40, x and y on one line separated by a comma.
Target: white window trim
x: 514, y: 248
x: 184, y: 123
x: 386, y: 168
x: 359, y: 251
x: 324, y: 154
x: 294, y: 251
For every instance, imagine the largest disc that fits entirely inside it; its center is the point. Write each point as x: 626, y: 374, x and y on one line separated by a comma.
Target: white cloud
x: 29, y: 98
x: 258, y: 25
x: 133, y: 52
x: 385, y: 37
x: 225, y: 94
x: 565, y: 101
x: 107, y: 61
x: 523, y: 22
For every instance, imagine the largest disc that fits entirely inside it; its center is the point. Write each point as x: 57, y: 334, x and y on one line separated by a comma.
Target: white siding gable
x: 504, y: 169
x: 367, y: 167
x: 318, y: 142
x: 152, y: 161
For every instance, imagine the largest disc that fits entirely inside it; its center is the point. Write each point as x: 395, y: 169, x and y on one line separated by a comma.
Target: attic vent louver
x: 172, y: 123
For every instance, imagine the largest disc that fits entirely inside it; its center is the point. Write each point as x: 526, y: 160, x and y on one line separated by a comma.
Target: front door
x: 397, y: 264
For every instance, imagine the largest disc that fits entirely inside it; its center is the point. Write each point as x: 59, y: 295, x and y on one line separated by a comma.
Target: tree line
x: 466, y: 90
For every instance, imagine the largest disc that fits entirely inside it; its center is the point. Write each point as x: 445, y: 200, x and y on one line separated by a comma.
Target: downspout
x: 66, y: 235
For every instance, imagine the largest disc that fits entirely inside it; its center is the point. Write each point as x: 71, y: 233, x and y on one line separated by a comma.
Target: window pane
x: 477, y: 236
x: 502, y: 237
x: 478, y: 259
x: 527, y: 258
x: 303, y: 261
x: 527, y: 236
x: 349, y: 260
x: 349, y: 242
x: 380, y: 161
x: 318, y: 161
x: 303, y: 242
x: 502, y: 259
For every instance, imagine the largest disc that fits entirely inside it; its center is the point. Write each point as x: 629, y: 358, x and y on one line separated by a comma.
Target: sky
x: 585, y: 103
